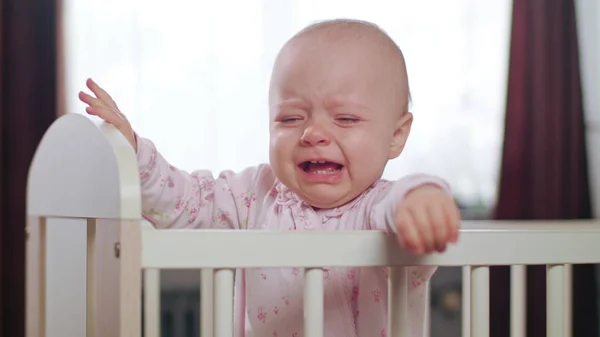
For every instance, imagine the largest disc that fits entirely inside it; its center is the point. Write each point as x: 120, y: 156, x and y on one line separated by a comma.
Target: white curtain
x: 192, y: 75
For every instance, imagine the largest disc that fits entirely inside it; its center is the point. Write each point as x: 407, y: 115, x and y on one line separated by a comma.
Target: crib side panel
x: 56, y: 278
x: 83, y: 170
x: 118, y: 279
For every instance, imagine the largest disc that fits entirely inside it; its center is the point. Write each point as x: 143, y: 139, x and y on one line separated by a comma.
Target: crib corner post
x: 35, y: 269
x: 130, y: 265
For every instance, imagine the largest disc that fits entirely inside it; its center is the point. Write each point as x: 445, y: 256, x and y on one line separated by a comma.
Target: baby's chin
x: 325, y: 197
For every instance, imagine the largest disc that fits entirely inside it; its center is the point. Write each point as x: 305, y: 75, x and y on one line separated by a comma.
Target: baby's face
x: 337, y: 116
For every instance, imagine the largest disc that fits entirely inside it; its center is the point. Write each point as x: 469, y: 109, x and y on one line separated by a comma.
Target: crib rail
x: 557, y: 244
x: 481, y: 243
x: 88, y: 173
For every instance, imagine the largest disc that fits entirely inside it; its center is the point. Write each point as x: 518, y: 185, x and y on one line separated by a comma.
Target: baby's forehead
x: 361, y: 44
x: 347, y: 31
x: 359, y: 40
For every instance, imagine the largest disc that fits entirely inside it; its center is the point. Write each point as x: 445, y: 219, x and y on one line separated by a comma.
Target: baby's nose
x: 315, y: 135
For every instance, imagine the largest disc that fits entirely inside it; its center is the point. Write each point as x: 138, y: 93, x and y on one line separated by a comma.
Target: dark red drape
x: 27, y: 108
x: 544, y: 165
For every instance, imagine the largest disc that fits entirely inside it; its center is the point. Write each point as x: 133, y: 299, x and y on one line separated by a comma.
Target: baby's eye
x: 290, y: 119
x: 347, y: 120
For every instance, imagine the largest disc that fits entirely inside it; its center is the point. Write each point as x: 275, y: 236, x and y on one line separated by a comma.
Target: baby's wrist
x: 426, y: 187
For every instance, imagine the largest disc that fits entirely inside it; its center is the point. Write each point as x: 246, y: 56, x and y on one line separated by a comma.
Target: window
x: 193, y: 76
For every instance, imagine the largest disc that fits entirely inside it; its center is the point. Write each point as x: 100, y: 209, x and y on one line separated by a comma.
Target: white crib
x: 85, y: 174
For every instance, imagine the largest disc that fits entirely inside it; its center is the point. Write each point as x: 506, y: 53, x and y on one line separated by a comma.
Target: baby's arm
x: 173, y: 198
x: 421, y: 211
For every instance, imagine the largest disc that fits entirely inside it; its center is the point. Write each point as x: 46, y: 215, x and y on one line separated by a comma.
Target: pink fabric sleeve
x: 173, y: 198
x: 381, y: 216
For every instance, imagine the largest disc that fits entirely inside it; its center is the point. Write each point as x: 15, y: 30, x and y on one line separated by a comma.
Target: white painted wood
x: 313, y: 302
x: 466, y: 302
x: 398, y: 322
x: 480, y: 301
x: 518, y: 303
x: 66, y: 277
x: 91, y: 302
x: 568, y: 300
x: 107, y: 277
x: 130, y: 280
x: 555, y: 310
x: 35, y: 273
x: 151, y: 303
x: 83, y: 170
x: 206, y: 302
x: 223, y: 304
x: 427, y: 320
x: 539, y: 242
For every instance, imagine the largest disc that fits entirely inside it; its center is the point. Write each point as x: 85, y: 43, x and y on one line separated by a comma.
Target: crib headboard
x: 83, y: 180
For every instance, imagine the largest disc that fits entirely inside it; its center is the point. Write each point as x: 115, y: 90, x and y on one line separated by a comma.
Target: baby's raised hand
x: 427, y: 220
x: 104, y: 107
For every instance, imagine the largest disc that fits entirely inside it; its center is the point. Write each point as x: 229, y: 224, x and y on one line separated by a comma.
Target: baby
x: 338, y: 102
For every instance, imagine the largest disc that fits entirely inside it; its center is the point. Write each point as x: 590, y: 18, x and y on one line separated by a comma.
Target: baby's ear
x: 401, y: 132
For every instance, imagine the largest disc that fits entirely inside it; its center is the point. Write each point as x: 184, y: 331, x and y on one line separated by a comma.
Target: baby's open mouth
x: 320, y: 167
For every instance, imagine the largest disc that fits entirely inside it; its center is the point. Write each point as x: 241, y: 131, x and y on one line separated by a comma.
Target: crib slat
x: 568, y: 304
x: 313, y: 302
x: 223, y: 302
x: 555, y: 296
x: 36, y: 298
x: 466, y: 301
x: 90, y: 279
x: 427, y: 320
x: 206, y: 302
x: 480, y: 301
x: 398, y: 321
x: 518, y: 305
x: 151, y: 302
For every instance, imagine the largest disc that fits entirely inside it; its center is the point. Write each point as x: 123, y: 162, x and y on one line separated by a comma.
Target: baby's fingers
x: 425, y: 227
x: 108, y: 115
x: 90, y: 100
x: 440, y: 228
x: 408, y: 235
x: 101, y: 93
x: 453, y: 217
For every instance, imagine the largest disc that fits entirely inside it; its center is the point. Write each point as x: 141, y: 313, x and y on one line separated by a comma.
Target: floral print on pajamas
x: 269, y: 302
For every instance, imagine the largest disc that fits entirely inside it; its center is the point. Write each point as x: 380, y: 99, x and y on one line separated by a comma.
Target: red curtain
x: 544, y: 166
x: 27, y: 108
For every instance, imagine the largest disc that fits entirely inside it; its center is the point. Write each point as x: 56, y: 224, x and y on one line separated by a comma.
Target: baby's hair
x: 357, y: 27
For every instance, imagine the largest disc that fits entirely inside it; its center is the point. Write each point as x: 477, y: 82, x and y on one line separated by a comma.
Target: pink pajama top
x: 268, y: 302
